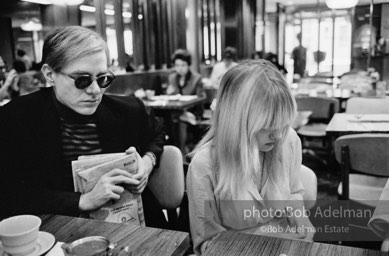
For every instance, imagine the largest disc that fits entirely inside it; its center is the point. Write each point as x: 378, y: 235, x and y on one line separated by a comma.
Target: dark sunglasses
x: 84, y: 81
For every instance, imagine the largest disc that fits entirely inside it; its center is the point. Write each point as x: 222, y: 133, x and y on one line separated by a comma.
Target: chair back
x: 363, y: 105
x: 321, y: 107
x: 309, y: 180
x: 366, y: 153
x: 167, y: 181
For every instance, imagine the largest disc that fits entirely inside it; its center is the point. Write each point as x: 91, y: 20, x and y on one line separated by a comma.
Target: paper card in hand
x: 88, y: 170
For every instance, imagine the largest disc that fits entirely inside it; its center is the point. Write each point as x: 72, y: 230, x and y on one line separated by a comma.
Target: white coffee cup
x: 19, y: 234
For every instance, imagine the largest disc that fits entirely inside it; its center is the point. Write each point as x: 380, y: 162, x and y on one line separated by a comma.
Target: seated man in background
x: 184, y: 81
x: 41, y: 133
x: 11, y: 87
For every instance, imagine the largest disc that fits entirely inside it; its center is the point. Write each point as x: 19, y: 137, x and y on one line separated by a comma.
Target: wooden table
x: 175, y: 104
x: 141, y: 240
x: 341, y: 94
x: 170, y: 110
x: 342, y: 123
x: 235, y: 243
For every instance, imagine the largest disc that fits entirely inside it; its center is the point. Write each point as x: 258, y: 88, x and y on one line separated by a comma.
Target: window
x: 333, y: 40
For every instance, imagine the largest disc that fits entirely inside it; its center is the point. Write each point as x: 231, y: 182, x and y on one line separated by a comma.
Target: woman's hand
x: 302, y: 225
x: 109, y: 187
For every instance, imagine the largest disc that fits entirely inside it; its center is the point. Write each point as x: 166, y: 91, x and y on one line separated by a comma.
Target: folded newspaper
x: 87, y: 171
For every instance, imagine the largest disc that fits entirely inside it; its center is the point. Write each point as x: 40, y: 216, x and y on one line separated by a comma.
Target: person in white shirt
x: 249, y: 161
x: 220, y: 68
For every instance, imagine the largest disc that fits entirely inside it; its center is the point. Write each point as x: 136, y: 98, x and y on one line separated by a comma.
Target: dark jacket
x: 34, y: 178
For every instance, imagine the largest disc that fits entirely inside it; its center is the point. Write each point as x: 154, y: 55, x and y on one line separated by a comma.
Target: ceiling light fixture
x: 56, y: 2
x: 88, y: 8
x: 109, y: 12
x: 127, y: 15
x: 341, y: 4
x: 67, y: 2
x: 31, y: 25
x: 45, y: 2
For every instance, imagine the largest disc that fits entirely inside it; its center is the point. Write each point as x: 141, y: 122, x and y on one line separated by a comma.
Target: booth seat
x: 127, y: 84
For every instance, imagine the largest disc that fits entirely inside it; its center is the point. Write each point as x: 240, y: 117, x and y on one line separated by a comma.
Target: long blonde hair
x: 252, y: 96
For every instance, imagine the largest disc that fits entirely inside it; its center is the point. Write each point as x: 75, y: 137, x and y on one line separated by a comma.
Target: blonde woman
x: 245, y: 173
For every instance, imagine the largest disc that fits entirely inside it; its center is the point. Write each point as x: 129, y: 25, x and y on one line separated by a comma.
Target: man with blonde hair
x: 41, y: 133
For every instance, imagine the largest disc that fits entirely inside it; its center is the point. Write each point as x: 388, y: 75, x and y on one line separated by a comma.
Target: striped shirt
x: 79, y: 134
x: 79, y: 139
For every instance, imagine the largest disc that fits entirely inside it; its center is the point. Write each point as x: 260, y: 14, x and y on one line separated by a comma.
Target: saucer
x: 44, y: 243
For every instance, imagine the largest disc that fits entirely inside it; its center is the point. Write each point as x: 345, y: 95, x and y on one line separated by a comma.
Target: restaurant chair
x: 167, y: 182
x: 364, y: 161
x: 322, y: 111
x: 198, y: 127
x: 319, y: 78
x: 379, y: 222
x: 367, y: 105
x: 308, y: 85
x: 319, y: 87
x: 309, y: 180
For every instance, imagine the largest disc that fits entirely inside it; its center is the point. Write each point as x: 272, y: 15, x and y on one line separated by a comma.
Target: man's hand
x: 107, y: 188
x: 144, y: 169
x: 110, y: 185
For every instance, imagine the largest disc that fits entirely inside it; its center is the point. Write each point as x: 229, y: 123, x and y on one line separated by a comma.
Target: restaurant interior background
x: 145, y: 33
x: 150, y: 30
